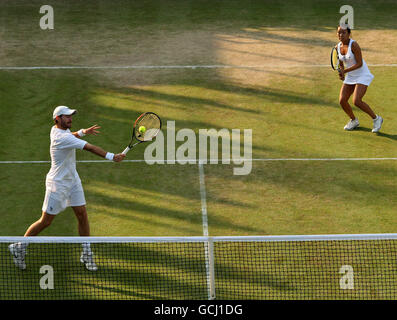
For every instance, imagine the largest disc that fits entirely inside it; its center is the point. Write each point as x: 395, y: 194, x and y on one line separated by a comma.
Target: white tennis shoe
x: 18, y: 254
x: 352, y: 124
x: 377, y: 123
x: 87, y: 258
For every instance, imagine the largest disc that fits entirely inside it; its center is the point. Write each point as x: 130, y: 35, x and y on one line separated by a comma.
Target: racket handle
x: 126, y: 150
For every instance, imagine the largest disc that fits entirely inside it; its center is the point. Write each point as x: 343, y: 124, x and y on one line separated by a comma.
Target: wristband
x: 81, y: 133
x: 109, y: 156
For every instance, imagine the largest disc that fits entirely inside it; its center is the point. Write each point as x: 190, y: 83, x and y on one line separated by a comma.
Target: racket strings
x: 152, y: 124
x: 334, y: 59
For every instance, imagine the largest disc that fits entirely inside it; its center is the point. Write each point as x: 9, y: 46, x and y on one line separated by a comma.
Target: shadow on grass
x: 378, y: 134
x: 178, y: 270
x: 386, y: 135
x: 182, y: 219
x: 267, y: 94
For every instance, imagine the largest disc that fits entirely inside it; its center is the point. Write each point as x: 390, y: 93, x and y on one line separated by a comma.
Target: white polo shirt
x: 63, y: 156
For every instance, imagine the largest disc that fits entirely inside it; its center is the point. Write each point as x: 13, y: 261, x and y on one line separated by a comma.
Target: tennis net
x: 317, y: 267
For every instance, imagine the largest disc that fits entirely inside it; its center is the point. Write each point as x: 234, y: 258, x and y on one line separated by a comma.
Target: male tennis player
x: 63, y: 184
x: 356, y: 78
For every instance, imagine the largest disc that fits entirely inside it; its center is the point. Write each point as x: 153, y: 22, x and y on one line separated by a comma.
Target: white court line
x: 180, y: 67
x: 203, y: 196
x: 208, y: 246
x: 195, y: 161
x: 157, y: 67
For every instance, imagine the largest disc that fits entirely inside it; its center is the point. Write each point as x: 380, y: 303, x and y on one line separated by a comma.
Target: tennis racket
x: 150, y: 124
x: 335, y: 59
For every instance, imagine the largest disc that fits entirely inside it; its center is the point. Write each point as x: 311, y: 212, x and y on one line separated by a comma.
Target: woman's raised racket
x: 335, y: 59
x: 146, y: 128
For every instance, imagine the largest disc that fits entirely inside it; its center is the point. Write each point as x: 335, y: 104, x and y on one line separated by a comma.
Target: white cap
x: 63, y: 110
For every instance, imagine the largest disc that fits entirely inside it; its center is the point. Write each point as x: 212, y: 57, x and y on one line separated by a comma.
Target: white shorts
x: 59, y: 196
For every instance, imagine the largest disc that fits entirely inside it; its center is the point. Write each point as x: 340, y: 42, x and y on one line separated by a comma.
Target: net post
x: 210, y: 268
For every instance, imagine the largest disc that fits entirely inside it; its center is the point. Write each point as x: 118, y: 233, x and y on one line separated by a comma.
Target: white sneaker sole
x: 351, y: 129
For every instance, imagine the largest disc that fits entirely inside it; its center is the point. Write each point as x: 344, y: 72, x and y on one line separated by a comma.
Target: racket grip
x: 126, y: 150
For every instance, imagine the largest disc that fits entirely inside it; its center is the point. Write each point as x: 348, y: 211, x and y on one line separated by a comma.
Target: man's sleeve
x: 71, y: 142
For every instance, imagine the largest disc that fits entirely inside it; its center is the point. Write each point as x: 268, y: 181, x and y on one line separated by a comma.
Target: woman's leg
x: 358, y: 95
x: 345, y: 92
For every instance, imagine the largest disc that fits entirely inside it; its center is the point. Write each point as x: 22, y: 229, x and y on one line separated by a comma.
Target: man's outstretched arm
x: 102, y: 153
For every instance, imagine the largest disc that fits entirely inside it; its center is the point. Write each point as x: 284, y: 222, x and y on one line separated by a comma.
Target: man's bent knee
x: 46, y: 219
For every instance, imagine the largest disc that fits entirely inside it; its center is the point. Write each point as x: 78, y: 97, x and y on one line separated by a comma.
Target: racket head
x: 151, y: 122
x: 334, y: 59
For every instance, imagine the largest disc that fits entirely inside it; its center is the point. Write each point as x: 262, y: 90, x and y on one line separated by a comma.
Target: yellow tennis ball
x: 142, y: 129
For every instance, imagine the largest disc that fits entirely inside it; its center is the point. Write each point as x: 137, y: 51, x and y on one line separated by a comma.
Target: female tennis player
x: 63, y: 184
x: 356, y: 78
